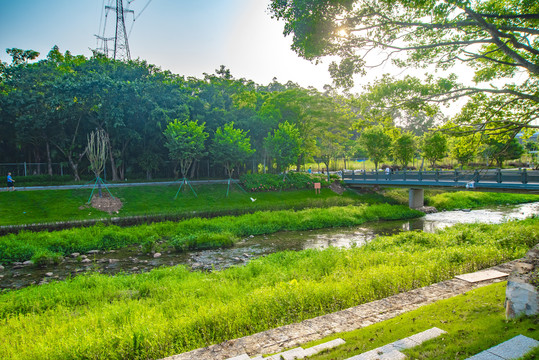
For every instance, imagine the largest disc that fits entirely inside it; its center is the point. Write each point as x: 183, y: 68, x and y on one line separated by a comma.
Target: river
x: 131, y: 260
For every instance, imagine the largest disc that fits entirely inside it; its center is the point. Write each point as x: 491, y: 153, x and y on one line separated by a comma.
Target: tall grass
x: 195, y: 233
x: 172, y: 310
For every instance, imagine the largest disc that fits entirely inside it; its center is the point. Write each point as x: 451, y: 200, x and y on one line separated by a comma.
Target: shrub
x: 46, y: 257
x: 268, y: 182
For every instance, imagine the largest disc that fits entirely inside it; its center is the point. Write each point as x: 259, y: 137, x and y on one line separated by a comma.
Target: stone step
x: 296, y: 353
x: 392, y: 351
x: 514, y: 348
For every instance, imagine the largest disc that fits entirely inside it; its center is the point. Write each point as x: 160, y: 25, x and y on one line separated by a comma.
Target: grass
x: 27, y: 207
x: 449, y: 200
x: 195, y: 233
x: 172, y: 310
x: 474, y: 321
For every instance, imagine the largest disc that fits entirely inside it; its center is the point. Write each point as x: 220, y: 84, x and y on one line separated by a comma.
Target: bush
x: 268, y: 182
x: 46, y: 257
x: 202, y: 240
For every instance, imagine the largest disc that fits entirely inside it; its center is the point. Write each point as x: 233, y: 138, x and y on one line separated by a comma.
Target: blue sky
x: 188, y: 37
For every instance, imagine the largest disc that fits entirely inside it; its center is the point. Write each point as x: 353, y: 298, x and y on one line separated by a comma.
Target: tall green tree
x: 230, y: 147
x: 404, y: 148
x: 284, y: 146
x: 185, y: 143
x: 464, y: 148
x: 434, y: 146
x: 502, y: 150
x: 377, y: 143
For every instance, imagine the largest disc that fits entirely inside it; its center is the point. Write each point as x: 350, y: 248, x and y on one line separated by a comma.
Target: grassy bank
x: 27, y: 207
x: 195, y: 233
x: 474, y: 321
x: 172, y: 310
x: 449, y: 200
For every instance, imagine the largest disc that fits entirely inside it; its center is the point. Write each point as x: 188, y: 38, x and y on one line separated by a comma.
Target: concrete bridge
x: 495, y: 180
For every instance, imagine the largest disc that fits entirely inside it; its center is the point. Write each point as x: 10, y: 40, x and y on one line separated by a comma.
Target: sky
x: 187, y: 37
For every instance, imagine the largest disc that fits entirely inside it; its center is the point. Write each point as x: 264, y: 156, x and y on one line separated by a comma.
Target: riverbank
x: 172, y: 310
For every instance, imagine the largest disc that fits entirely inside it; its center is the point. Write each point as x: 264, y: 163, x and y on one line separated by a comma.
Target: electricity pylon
x: 121, y: 43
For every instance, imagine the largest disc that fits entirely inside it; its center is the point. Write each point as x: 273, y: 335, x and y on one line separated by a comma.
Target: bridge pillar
x: 416, y: 198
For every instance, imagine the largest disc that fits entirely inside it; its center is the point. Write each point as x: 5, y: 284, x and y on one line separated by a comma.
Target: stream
x: 132, y: 260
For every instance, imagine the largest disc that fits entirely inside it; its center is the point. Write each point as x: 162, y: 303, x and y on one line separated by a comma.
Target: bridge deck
x: 484, y: 180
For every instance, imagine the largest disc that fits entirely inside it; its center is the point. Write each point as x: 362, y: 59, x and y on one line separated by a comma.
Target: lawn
x: 27, y: 207
x: 474, y: 321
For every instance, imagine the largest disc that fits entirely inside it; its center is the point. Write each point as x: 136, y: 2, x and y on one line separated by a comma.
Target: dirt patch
x: 336, y: 187
x: 106, y: 203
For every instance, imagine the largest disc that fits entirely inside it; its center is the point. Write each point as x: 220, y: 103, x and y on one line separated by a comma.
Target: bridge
x: 496, y: 180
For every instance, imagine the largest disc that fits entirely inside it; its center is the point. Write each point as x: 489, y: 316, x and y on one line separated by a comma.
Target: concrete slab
x: 375, y: 355
x: 485, y: 355
x: 296, y: 353
x: 514, y: 348
x: 405, y: 343
x: 482, y: 276
x: 321, y: 347
x: 429, y: 334
x: 240, y: 357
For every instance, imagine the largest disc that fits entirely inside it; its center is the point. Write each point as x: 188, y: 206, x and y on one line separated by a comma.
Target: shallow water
x: 131, y: 260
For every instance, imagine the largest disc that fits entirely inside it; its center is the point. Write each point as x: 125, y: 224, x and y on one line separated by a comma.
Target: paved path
x: 289, y: 336
x: 114, y: 185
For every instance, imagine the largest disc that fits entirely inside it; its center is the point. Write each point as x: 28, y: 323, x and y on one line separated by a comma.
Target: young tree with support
x: 96, y: 151
x: 185, y: 143
x: 230, y: 147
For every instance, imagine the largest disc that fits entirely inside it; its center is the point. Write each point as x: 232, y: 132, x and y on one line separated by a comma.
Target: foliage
x: 496, y: 40
x: 464, y: 148
x: 230, y: 147
x: 501, y: 150
x: 185, y: 142
x: 173, y: 310
x: 376, y: 143
x: 284, y: 146
x: 434, y: 146
x: 269, y: 182
x: 404, y: 148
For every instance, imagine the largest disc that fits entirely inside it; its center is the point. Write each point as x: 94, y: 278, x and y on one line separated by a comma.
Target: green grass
x: 449, y: 200
x: 27, y: 207
x: 474, y: 321
x: 195, y: 233
x: 172, y: 310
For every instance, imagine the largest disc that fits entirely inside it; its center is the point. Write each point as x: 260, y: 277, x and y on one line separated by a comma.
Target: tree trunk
x: 112, y: 163
x: 49, y: 161
x: 74, y: 167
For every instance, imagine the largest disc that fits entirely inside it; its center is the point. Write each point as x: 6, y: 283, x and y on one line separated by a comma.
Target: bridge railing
x: 521, y: 176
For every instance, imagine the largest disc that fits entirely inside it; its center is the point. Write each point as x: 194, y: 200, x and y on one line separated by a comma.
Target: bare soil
x: 106, y: 203
x: 336, y: 187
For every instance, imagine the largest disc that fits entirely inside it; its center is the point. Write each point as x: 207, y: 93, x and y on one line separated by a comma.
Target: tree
x: 404, y: 147
x: 497, y: 40
x: 185, y: 143
x: 434, y: 146
x: 230, y: 147
x: 501, y: 150
x: 376, y: 143
x: 284, y: 145
x: 97, y: 154
x: 464, y: 148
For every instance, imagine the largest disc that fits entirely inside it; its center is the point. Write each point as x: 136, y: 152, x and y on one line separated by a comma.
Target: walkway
x: 115, y: 185
x: 293, y: 335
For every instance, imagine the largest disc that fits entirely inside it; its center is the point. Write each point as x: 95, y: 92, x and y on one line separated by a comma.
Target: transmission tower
x: 121, y: 44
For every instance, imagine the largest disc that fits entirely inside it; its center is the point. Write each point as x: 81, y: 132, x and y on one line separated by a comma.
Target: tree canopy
x: 496, y: 40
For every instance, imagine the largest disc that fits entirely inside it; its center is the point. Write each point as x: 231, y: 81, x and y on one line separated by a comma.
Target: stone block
x: 514, y: 348
x: 321, y: 347
x: 521, y: 299
x: 427, y: 335
x: 296, y: 353
x: 482, y: 276
x: 240, y: 357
